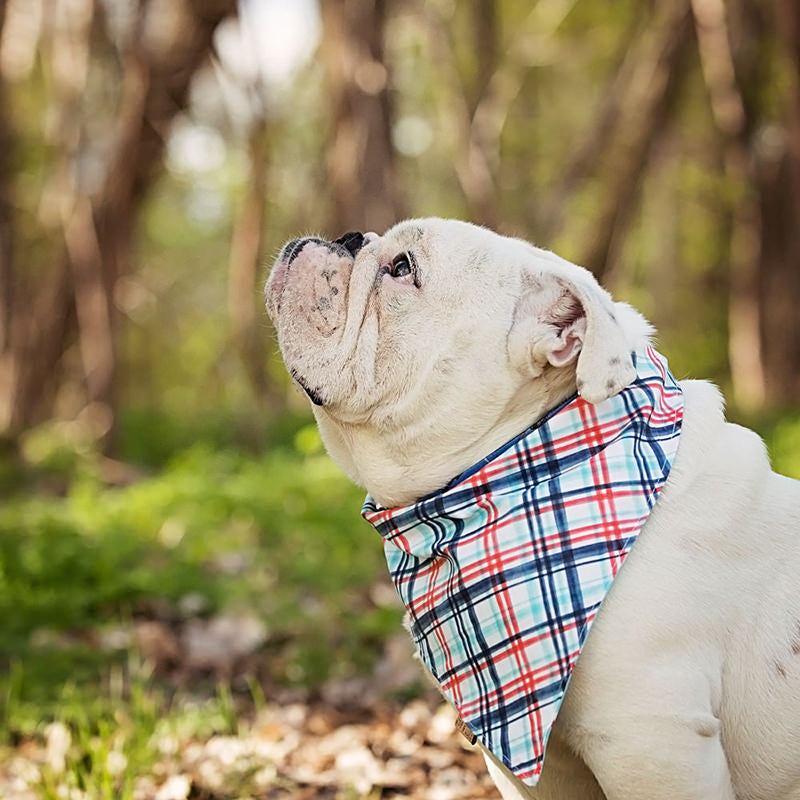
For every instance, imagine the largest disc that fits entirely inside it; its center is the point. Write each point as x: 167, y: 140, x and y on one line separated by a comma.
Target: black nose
x: 352, y: 241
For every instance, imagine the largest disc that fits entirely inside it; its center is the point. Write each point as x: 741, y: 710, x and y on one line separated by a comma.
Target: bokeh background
x: 191, y: 605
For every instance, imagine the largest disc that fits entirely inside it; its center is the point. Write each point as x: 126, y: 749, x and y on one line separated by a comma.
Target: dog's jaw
x: 399, y: 465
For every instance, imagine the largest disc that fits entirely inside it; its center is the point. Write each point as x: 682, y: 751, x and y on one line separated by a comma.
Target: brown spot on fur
x: 780, y: 669
x: 796, y: 639
x: 614, y: 361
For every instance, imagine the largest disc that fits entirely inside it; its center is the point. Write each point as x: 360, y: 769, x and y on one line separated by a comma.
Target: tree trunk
x: 6, y: 144
x: 598, y: 134
x: 486, y: 38
x: 245, y: 264
x: 359, y: 159
x: 642, y: 119
x: 6, y: 249
x: 729, y: 111
x: 469, y: 108
x: 779, y: 269
x: 97, y: 223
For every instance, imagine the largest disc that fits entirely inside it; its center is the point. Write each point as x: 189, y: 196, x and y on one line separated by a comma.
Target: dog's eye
x: 401, y: 266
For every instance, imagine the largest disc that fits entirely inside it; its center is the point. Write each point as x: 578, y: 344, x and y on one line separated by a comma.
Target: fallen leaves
x: 218, y: 643
x: 343, y: 740
x: 302, y: 751
x: 312, y: 752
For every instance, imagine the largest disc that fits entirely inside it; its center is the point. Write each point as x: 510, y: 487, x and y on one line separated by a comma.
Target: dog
x: 425, y: 350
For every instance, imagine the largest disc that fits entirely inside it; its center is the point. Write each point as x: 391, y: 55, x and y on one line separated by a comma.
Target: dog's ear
x: 560, y: 319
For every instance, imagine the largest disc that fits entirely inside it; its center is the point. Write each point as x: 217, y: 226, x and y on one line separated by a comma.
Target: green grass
x: 277, y: 534
x: 118, y: 733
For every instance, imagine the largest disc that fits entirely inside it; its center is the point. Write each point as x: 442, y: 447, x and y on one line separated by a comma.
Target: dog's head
x: 425, y: 348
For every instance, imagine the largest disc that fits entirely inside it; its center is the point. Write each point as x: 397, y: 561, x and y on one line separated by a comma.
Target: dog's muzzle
x: 348, y: 245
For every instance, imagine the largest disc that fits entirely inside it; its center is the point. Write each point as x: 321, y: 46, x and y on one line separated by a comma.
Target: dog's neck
x: 400, y: 465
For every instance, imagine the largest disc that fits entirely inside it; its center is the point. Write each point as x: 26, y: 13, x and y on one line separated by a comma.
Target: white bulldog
x: 424, y: 350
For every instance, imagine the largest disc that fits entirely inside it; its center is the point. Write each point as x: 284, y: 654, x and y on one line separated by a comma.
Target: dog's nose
x: 352, y: 241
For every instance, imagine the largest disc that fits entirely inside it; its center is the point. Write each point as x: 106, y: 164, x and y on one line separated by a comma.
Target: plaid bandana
x: 504, y: 570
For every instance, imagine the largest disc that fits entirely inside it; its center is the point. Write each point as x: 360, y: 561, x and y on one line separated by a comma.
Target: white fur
x: 689, y: 684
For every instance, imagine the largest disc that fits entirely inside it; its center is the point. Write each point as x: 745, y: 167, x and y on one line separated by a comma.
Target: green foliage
x: 782, y: 436
x: 278, y: 534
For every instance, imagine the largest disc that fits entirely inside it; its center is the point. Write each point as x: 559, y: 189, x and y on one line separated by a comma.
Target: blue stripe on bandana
x: 503, y: 571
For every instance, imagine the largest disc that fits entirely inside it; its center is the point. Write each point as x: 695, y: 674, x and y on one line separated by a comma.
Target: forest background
x: 180, y: 564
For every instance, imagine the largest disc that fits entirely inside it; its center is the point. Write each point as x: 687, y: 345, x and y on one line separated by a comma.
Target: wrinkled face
x: 369, y: 325
x: 425, y: 348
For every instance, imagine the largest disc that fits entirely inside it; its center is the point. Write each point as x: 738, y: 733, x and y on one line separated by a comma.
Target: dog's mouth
x: 313, y: 394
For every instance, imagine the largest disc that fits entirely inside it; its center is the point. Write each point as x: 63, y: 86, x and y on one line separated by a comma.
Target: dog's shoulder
x: 719, y: 473
x: 709, y: 443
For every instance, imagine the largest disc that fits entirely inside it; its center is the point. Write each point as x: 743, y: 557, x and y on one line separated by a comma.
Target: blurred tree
x: 761, y: 147
x: 476, y: 104
x: 6, y: 144
x: 360, y: 159
x: 642, y: 116
x: 779, y: 183
x: 736, y: 127
x: 245, y: 262
x: 655, y: 141
x: 95, y: 187
x: 597, y: 136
